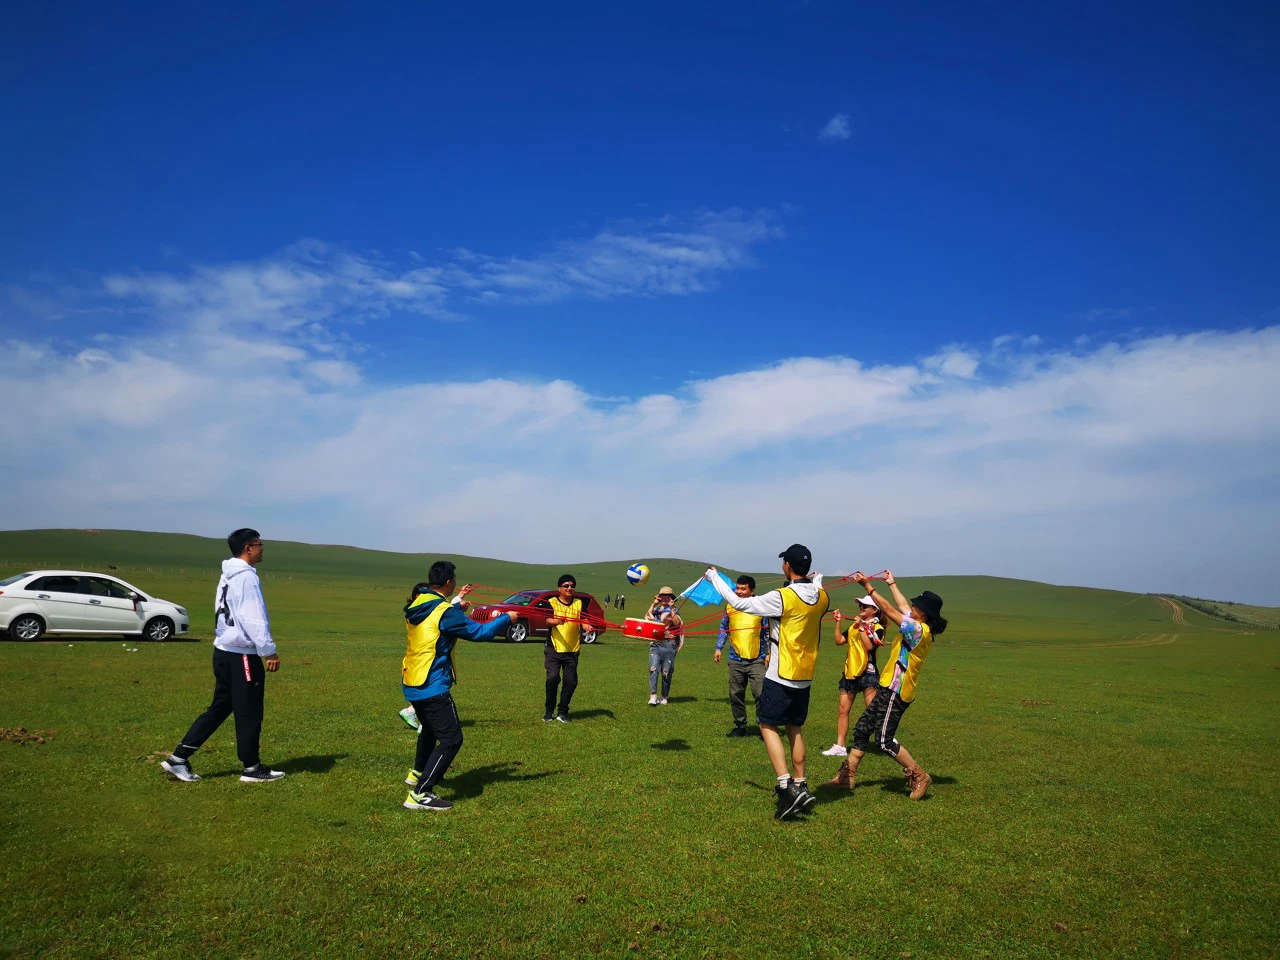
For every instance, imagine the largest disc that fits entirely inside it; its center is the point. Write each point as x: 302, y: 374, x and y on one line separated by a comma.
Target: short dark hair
x: 747, y: 581
x: 241, y: 539
x: 442, y: 571
x: 567, y: 578
x: 418, y: 590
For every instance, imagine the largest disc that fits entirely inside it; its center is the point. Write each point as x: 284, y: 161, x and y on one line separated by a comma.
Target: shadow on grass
x: 673, y: 744
x: 471, y: 784
x: 314, y: 763
x: 577, y: 715
x: 682, y: 700
x: 890, y: 784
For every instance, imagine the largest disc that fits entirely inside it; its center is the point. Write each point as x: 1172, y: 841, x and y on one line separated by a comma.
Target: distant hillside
x: 984, y: 605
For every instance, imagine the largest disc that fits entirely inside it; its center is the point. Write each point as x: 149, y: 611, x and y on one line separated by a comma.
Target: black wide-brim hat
x: 928, y: 603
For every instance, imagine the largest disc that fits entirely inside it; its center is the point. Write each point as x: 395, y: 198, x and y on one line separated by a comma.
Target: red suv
x: 529, y: 611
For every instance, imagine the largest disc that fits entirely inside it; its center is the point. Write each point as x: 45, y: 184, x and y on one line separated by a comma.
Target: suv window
x: 14, y: 579
x: 58, y: 584
x: 101, y: 587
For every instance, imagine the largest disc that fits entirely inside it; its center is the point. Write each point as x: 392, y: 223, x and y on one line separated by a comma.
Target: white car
x: 74, y: 601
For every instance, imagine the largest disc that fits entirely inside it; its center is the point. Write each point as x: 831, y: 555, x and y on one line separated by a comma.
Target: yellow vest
x: 744, y: 633
x: 915, y: 663
x: 566, y: 637
x: 799, y: 630
x: 420, y: 651
x: 857, y: 657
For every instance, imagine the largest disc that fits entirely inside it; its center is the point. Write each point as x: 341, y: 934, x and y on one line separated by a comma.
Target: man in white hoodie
x: 243, y: 654
x: 796, y: 613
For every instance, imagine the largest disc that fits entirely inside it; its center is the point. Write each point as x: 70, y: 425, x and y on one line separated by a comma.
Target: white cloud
x: 249, y: 405
x: 837, y: 129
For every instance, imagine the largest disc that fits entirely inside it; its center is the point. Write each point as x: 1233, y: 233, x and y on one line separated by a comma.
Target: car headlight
x: 181, y: 610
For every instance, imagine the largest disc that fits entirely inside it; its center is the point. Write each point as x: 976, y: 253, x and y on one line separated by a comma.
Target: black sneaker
x: 547, y: 718
x: 807, y: 799
x: 180, y: 769
x: 562, y: 717
x: 790, y: 800
x: 260, y: 774
x: 737, y: 732
x: 426, y: 801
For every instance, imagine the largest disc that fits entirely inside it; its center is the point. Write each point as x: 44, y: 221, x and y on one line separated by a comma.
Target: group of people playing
x: 772, y: 645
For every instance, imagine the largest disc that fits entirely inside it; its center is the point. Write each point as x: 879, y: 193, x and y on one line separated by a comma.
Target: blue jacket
x: 454, y: 626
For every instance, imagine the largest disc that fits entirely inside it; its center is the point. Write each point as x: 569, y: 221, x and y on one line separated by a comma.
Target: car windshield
x: 14, y: 579
x: 521, y: 599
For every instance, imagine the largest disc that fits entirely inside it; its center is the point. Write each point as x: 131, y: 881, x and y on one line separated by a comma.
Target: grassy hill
x: 985, y: 608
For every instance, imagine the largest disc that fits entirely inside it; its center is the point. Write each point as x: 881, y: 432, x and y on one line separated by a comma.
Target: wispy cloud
x: 837, y: 129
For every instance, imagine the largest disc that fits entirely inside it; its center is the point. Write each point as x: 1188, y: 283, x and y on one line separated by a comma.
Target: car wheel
x: 589, y: 636
x: 158, y: 630
x: 26, y: 627
x: 518, y: 632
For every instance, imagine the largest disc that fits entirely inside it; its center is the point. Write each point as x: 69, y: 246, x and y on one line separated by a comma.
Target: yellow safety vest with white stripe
x: 566, y: 637
x: 420, y: 653
x: 799, y: 630
x: 744, y: 633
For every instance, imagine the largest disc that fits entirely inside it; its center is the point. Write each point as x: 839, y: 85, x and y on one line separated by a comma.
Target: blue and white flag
x: 704, y: 593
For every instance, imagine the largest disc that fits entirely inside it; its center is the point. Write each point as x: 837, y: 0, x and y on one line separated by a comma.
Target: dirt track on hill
x: 1176, y: 608
x: 1161, y: 641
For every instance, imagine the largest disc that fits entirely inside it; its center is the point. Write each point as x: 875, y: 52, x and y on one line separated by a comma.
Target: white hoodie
x: 240, y: 611
x: 769, y: 605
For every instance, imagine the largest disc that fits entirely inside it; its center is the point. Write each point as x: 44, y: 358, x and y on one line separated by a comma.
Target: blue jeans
x: 662, y: 659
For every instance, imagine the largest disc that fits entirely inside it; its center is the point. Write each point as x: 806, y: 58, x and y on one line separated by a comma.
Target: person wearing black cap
x: 795, y: 613
x: 919, y: 621
x: 563, y: 645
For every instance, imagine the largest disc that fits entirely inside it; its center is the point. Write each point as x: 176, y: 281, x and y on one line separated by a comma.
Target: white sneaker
x: 410, y: 717
x: 260, y: 774
x: 835, y: 750
x: 663, y: 701
x: 180, y: 769
x: 653, y: 699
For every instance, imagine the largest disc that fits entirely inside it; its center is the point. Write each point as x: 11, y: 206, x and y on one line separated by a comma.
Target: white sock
x: 782, y: 781
x: 800, y: 782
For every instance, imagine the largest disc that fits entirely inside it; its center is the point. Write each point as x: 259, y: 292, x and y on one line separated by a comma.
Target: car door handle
x: 43, y: 596
x: 97, y: 603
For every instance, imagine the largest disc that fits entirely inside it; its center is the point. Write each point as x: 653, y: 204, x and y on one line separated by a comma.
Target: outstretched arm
x: 898, y: 598
x: 770, y: 605
x: 888, y: 609
x: 457, y: 624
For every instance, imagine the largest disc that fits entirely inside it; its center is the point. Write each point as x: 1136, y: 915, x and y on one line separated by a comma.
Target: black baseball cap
x: 799, y: 557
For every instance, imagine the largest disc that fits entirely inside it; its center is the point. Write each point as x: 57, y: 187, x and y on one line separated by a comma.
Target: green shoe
x: 410, y: 718
x: 412, y: 779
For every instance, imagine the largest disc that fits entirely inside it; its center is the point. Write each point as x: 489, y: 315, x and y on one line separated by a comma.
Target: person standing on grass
x: 748, y: 638
x: 564, y: 644
x: 919, y: 621
x: 460, y: 601
x: 243, y: 655
x: 864, y: 635
x: 433, y: 626
x: 796, y: 612
x: 662, y: 653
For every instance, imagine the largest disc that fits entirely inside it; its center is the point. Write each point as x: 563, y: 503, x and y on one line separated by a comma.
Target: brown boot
x: 919, y: 782
x: 843, y: 778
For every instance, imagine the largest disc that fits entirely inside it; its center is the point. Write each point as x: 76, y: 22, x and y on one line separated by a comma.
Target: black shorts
x: 866, y: 680
x: 781, y: 706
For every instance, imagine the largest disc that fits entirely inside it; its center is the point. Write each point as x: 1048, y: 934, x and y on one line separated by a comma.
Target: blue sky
x: 1014, y: 264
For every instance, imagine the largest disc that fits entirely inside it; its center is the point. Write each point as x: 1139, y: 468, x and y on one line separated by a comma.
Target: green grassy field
x: 1105, y: 769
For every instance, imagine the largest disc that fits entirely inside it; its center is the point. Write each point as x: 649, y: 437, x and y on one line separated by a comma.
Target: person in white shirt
x: 796, y: 613
x: 243, y: 654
